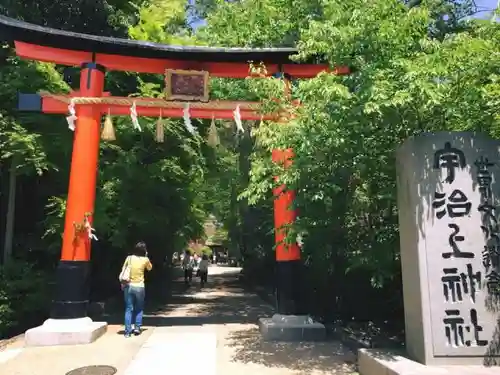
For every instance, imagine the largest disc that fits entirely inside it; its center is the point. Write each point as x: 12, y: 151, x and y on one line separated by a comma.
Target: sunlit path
x: 167, y: 352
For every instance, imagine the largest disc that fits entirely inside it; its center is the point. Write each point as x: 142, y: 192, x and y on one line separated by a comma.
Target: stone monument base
x: 65, y: 332
x: 291, y: 328
x: 385, y: 362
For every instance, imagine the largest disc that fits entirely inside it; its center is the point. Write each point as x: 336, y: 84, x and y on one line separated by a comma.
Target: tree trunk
x: 11, y: 208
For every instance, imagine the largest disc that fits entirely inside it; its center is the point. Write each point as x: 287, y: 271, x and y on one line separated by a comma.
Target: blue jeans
x: 134, y: 304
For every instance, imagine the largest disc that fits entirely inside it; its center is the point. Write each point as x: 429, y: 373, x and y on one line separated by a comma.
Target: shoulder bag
x: 125, y: 274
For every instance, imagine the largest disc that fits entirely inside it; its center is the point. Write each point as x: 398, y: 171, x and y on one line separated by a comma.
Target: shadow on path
x: 221, y: 301
x: 308, y: 357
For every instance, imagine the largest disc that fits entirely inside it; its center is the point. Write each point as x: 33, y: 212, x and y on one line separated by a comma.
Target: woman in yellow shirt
x: 134, y: 291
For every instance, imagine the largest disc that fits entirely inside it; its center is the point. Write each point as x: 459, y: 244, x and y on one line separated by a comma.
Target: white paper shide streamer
x: 187, y: 120
x: 90, y: 230
x: 72, y: 115
x: 237, y: 120
x: 133, y: 116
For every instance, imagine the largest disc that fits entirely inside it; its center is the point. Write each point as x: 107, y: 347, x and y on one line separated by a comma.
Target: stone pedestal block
x: 65, y: 332
x: 291, y: 328
x: 383, y: 362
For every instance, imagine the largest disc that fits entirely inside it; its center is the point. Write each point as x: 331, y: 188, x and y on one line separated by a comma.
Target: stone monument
x: 448, y: 193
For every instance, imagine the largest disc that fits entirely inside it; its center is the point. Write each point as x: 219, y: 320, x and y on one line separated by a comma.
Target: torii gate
x: 96, y: 55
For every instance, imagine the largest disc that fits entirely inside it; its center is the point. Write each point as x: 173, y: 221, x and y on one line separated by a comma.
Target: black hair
x: 204, y: 257
x: 188, y: 252
x: 140, y: 249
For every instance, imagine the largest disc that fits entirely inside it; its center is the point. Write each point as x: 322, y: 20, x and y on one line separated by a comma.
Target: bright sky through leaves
x: 486, y: 6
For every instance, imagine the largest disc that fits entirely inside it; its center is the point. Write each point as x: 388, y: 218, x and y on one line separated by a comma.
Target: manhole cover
x: 93, y: 370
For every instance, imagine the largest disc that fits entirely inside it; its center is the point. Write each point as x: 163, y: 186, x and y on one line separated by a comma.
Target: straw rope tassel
x: 160, y: 132
x: 253, y: 131
x: 213, y: 137
x: 108, y: 130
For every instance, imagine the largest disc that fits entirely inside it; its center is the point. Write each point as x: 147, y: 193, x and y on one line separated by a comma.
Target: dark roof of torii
x: 12, y: 29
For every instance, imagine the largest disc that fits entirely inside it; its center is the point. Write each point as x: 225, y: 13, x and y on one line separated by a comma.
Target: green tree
x: 404, y: 80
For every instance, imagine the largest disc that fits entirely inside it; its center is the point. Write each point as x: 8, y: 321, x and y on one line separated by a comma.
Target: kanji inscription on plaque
x: 191, y: 85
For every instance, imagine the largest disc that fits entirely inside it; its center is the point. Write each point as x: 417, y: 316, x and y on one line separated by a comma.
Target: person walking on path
x: 203, y: 267
x: 134, y: 289
x: 187, y: 266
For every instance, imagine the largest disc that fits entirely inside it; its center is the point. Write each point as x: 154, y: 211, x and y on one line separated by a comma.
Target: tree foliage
x: 415, y: 67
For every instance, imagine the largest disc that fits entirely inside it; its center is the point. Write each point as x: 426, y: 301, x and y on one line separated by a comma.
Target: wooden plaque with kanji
x: 189, y: 85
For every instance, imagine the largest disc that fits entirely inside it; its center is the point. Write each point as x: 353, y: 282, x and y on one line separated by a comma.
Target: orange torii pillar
x: 290, y: 323
x: 287, y: 253
x: 68, y: 323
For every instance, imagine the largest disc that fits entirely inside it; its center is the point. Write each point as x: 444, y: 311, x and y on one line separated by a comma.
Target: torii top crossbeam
x: 69, y: 48
x: 75, y: 49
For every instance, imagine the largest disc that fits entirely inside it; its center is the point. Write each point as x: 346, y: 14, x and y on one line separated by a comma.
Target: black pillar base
x: 291, y: 323
x: 72, y: 290
x: 288, y: 287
